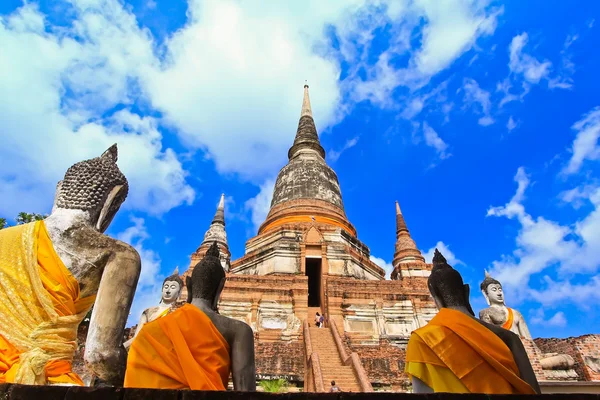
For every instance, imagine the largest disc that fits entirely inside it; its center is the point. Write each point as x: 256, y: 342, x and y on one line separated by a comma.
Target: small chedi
x: 194, y: 347
x: 171, y: 289
x: 554, y: 364
x: 456, y: 353
x: 53, y: 271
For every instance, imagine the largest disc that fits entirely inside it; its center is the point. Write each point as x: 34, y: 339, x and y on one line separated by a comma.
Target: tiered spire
x: 307, y: 139
x: 406, y: 248
x: 216, y: 233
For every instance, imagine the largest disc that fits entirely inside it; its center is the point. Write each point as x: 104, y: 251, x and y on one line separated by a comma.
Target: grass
x: 274, y: 386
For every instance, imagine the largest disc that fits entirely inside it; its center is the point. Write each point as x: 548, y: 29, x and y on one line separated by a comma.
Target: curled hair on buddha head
x: 174, y: 278
x: 207, y: 275
x: 446, y: 284
x: 487, y: 281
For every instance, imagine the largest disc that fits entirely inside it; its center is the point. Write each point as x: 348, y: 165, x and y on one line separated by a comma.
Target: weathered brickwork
x: 585, y: 350
x: 384, y: 365
x: 276, y: 360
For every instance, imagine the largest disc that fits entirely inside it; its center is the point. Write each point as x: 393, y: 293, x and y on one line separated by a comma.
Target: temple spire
x: 400, y: 223
x: 406, y: 248
x: 220, y: 214
x: 306, y: 141
x: 306, y: 110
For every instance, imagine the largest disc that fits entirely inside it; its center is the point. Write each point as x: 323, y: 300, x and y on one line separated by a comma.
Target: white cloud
x: 334, y: 155
x: 432, y: 139
x: 585, y: 146
x: 522, y: 63
x: 260, y: 204
x: 450, y: 29
x: 476, y: 95
x: 148, y: 290
x: 544, y: 246
x: 511, y: 124
x: 387, y: 266
x: 557, y: 320
x: 45, y: 132
x: 446, y: 252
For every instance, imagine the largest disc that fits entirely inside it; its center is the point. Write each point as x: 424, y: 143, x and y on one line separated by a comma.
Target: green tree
x: 274, y: 386
x: 25, y: 218
x: 3, y: 223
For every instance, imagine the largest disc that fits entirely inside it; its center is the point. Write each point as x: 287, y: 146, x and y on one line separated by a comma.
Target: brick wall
x: 280, y: 360
x: 384, y: 365
x: 585, y: 350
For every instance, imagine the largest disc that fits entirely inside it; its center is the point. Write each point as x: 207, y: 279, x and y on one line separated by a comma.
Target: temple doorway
x: 313, y: 271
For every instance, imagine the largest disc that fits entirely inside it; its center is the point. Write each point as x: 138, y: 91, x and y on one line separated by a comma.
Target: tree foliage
x: 23, y: 218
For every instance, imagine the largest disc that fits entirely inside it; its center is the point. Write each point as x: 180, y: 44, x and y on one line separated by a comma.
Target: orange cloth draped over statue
x: 183, y: 350
x: 40, y: 309
x: 509, y: 321
x: 455, y: 353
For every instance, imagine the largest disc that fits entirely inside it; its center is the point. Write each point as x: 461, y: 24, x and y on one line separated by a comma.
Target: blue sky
x: 481, y: 118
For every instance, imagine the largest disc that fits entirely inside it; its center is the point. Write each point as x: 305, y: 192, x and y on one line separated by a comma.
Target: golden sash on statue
x: 183, y: 350
x: 509, y: 321
x: 40, y: 309
x: 454, y: 353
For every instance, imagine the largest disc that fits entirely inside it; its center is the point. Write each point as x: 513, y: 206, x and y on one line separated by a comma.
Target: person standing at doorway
x: 322, y: 321
x: 318, y: 320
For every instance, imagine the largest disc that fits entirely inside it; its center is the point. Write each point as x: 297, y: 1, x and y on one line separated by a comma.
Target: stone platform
x: 24, y: 392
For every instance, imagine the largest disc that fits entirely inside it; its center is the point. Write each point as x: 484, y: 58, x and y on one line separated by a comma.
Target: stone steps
x: 332, y: 367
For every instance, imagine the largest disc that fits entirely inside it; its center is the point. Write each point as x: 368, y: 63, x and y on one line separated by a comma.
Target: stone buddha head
x: 172, y: 286
x: 446, y: 285
x: 492, y: 290
x: 208, y: 278
x: 95, y: 186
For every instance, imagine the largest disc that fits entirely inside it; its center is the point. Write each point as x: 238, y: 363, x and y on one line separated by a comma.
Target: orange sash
x: 509, y: 321
x: 182, y: 350
x: 453, y: 342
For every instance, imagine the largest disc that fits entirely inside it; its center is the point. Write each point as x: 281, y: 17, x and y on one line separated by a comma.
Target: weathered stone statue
x: 508, y: 318
x: 54, y: 270
x: 194, y: 347
x: 171, y: 288
x: 497, y: 313
x: 457, y: 353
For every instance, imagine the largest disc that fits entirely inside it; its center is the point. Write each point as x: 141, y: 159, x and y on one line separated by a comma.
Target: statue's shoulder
x: 88, y: 237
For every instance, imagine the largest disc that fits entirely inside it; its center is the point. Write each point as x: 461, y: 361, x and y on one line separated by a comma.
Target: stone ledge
x: 25, y: 392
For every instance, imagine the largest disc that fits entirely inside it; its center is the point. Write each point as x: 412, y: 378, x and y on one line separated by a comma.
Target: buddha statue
x: 510, y: 319
x: 171, y: 288
x: 456, y: 353
x: 55, y: 270
x: 195, y: 347
x: 497, y: 313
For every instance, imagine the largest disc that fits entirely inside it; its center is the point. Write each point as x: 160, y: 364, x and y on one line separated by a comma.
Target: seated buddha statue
x: 508, y: 318
x: 456, y: 353
x: 171, y: 288
x: 194, y: 347
x: 53, y: 271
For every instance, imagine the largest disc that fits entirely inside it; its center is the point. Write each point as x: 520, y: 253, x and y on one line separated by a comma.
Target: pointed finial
x: 111, y: 153
x: 438, y: 258
x: 306, y: 110
x: 176, y: 272
x: 213, y: 250
x: 398, y: 212
x: 221, y: 205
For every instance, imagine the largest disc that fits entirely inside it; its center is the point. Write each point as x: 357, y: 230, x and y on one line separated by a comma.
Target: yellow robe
x: 40, y: 309
x: 182, y: 350
x: 454, y: 353
x: 509, y: 320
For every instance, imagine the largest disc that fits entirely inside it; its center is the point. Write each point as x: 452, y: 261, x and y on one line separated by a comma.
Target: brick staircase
x: 332, y: 366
